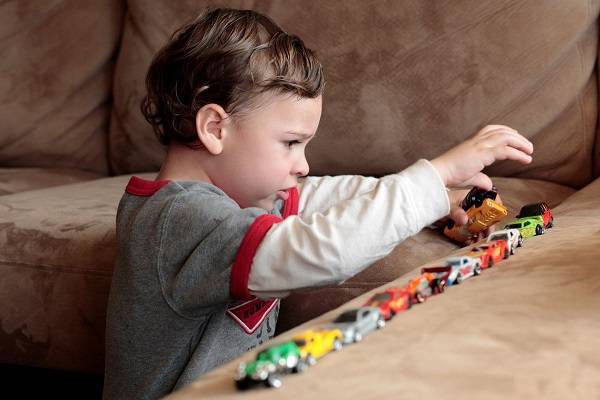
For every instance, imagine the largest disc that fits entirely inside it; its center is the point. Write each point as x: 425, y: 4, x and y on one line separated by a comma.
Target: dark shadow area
x: 29, y: 382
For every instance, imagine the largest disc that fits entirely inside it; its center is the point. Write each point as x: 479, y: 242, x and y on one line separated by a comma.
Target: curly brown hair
x: 226, y: 57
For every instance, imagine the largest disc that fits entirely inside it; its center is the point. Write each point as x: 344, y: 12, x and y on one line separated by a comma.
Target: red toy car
x: 541, y: 209
x: 391, y: 301
x: 490, y: 253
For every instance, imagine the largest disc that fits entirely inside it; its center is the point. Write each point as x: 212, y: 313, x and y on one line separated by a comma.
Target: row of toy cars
x: 483, y: 211
x: 305, y: 349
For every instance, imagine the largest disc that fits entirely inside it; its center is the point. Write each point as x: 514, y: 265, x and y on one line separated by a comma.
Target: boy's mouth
x: 282, y: 194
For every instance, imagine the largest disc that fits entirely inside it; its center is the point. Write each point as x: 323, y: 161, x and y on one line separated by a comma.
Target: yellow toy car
x: 314, y: 344
x: 482, y: 213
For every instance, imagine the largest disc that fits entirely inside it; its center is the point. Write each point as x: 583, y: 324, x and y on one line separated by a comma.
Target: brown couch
x: 406, y: 80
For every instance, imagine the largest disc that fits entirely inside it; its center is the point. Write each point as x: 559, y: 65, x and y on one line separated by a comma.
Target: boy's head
x: 232, y: 84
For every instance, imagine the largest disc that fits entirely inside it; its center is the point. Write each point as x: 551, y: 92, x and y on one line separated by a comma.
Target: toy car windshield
x: 513, y: 226
x: 476, y: 196
x: 530, y: 210
x: 381, y: 297
x: 348, y: 316
x: 454, y: 262
x: 300, y: 342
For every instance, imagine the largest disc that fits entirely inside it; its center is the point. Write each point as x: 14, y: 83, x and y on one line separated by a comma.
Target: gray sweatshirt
x: 197, y: 279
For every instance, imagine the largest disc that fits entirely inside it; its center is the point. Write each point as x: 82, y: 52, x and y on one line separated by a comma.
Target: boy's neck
x: 182, y: 164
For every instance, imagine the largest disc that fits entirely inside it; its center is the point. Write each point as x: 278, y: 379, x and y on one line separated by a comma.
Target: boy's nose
x: 301, y: 167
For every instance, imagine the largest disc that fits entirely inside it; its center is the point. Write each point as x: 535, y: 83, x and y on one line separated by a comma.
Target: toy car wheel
x: 380, y: 323
x: 477, y: 269
x: 242, y: 384
x: 337, y: 345
x: 539, y: 230
x: 311, y: 360
x: 551, y: 223
x: 273, y: 381
x: 441, y: 286
x: 300, y: 367
x: 490, y: 263
x: 512, y: 250
x: 419, y: 297
x: 357, y: 337
x: 392, y: 314
x: 458, y: 279
x: 506, y: 254
x: 520, y: 242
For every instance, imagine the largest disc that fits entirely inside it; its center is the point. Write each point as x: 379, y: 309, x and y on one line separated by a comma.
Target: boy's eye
x: 291, y: 143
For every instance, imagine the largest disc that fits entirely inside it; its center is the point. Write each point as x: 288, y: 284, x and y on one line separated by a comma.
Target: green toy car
x: 269, y: 365
x: 528, y: 226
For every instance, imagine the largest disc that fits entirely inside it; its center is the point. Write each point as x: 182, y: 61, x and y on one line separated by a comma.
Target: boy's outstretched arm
x: 334, y: 245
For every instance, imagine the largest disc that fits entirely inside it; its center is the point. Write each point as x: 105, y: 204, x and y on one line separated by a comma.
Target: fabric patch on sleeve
x: 240, y: 269
x: 250, y: 314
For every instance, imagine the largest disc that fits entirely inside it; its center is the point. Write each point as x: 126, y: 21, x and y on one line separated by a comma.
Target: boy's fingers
x: 480, y: 180
x: 459, y: 216
x: 511, y: 139
x: 510, y: 153
x: 491, y: 129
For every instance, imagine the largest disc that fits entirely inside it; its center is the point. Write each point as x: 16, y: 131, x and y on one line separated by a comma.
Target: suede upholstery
x: 379, y: 62
x: 526, y: 329
x: 55, y: 80
x: 405, y: 80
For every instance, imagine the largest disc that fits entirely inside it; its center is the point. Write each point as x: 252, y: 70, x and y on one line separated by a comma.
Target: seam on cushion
x: 62, y: 268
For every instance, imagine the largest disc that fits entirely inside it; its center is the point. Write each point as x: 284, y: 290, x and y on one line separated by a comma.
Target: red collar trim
x: 142, y: 187
x: 290, y: 206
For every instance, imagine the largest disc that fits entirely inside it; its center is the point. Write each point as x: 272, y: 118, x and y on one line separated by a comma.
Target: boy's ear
x: 211, y: 127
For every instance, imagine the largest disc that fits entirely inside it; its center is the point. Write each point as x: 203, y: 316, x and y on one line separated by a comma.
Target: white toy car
x: 463, y: 267
x: 511, y: 236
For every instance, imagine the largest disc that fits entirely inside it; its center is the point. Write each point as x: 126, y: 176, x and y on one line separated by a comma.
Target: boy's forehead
x: 294, y: 114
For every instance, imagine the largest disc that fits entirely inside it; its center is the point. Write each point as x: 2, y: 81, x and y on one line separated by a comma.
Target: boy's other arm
x: 331, y: 246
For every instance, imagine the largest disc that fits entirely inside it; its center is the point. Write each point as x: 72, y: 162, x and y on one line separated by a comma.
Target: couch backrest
x: 408, y: 79
x: 56, y: 65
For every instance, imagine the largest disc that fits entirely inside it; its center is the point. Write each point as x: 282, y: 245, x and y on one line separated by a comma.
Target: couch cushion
x: 14, y: 180
x: 424, y: 247
x: 526, y: 329
x: 408, y: 81
x: 57, y: 249
x: 55, y: 80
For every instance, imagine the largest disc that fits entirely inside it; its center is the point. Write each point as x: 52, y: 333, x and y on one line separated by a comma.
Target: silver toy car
x: 357, y: 323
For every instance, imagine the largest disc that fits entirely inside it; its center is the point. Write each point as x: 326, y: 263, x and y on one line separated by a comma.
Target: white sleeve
x: 331, y: 246
x: 317, y: 194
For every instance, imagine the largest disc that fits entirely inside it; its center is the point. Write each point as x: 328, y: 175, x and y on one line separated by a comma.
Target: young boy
x: 228, y: 227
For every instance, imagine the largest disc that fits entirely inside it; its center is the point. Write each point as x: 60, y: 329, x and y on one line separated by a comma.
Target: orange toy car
x: 425, y: 285
x: 391, y: 301
x: 483, y: 211
x: 490, y: 253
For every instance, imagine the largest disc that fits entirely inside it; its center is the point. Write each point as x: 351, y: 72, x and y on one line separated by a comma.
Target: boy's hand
x: 461, y: 166
x: 459, y: 216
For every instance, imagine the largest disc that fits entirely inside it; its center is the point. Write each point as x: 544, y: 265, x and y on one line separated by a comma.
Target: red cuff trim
x: 290, y: 207
x: 142, y: 187
x: 240, y: 271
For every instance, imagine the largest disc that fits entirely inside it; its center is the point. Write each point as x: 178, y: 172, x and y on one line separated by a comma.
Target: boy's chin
x: 266, y: 204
